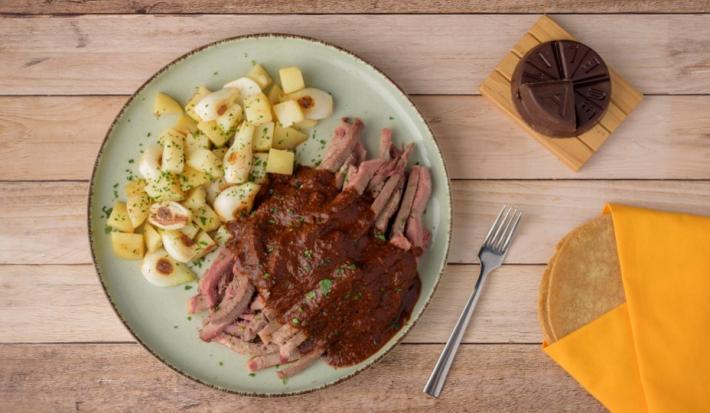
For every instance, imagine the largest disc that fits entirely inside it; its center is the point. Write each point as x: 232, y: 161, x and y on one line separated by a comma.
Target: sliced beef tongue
x: 236, y: 299
x: 397, y: 236
x: 359, y: 180
x: 394, y: 166
x: 391, y: 206
x: 345, y: 139
x: 417, y: 234
x: 209, y: 291
x: 386, y: 144
x: 342, y: 172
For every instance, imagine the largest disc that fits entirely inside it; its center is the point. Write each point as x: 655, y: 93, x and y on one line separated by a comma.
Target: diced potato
x: 260, y: 76
x: 306, y: 124
x: 163, y: 271
x: 262, y: 137
x: 206, y: 161
x: 185, y: 125
x: 315, y: 103
x: 165, y: 104
x: 205, y: 217
x: 287, y: 138
x: 216, y: 103
x: 236, y: 200
x: 205, y: 244
x: 288, y: 113
x: 119, y: 219
x: 137, y: 207
x: 173, y: 159
x: 196, y: 98
x: 196, y: 198
x: 190, y: 230
x: 194, y: 141
x: 152, y: 238
x: 220, y: 152
x: 192, y: 178
x: 165, y: 188
x: 276, y: 94
x: 257, y: 109
x: 222, y: 235
x: 134, y: 187
x: 229, y: 120
x: 178, y: 245
x: 258, y: 169
x: 215, y: 188
x: 213, y: 132
x: 128, y: 246
x: 238, y: 158
x: 291, y: 79
x: 280, y: 162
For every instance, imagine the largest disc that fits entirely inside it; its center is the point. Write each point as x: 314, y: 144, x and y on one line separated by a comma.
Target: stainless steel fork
x: 491, y: 255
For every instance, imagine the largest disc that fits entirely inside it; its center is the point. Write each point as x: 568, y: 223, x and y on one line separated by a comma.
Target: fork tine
x: 500, y: 228
x: 495, y: 225
x: 500, y: 235
x: 511, y: 230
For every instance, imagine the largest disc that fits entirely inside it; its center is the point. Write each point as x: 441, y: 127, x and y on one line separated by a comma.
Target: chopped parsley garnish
x: 307, y: 253
x: 311, y: 295
x: 266, y: 275
x: 296, y: 321
x: 188, y: 287
x: 325, y: 286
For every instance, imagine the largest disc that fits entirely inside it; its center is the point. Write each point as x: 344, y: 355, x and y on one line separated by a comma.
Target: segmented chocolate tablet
x: 561, y: 88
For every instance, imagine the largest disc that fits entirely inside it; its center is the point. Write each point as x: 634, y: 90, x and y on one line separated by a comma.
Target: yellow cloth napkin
x: 652, y: 353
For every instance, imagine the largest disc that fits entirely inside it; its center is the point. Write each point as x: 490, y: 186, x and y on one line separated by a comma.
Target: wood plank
x: 108, y: 54
x: 505, y: 314
x: 44, y: 223
x: 666, y: 139
x: 124, y: 377
x: 354, y: 6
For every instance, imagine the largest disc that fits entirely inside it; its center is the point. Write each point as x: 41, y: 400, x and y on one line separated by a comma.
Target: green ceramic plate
x: 157, y: 316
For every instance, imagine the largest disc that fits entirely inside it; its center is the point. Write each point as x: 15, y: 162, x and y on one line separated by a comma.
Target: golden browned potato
x: 165, y: 104
x: 200, y: 93
x: 260, y: 76
x: 291, y: 79
x: 119, y: 219
x: 152, y: 238
x: 280, y: 162
x: 257, y: 109
x: 128, y: 246
x: 287, y: 138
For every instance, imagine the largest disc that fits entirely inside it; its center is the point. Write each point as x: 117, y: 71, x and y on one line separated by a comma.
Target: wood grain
x: 44, y: 222
x: 110, y: 54
x: 353, y: 6
x: 666, y: 138
x: 124, y: 377
x: 505, y: 314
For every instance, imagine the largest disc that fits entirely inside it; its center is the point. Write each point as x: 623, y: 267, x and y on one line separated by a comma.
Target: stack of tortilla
x: 582, y: 280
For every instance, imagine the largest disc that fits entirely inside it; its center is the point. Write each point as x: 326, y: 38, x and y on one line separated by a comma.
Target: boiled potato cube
x: 173, y: 159
x: 119, y: 218
x: 306, y: 124
x: 194, y: 141
x: 205, y: 217
x: 260, y: 76
x: 165, y: 104
x: 185, y: 125
x: 213, y: 132
x: 200, y: 93
x: 190, y: 230
x: 222, y: 235
x: 163, y: 271
x: 128, y: 246
x: 291, y: 79
x: 258, y: 169
x: 165, y: 188
x: 238, y: 158
x: 288, y: 113
x: 257, y: 109
x: 276, y: 94
x: 205, y: 244
x: 205, y: 161
x: 236, y: 200
x: 195, y: 198
x: 152, y: 238
x: 220, y: 152
x: 229, y: 120
x: 280, y: 162
x: 262, y: 137
x: 134, y: 187
x: 287, y: 138
x: 137, y: 207
x: 192, y: 178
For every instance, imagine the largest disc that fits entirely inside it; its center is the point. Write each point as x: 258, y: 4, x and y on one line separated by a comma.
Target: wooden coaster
x: 573, y: 152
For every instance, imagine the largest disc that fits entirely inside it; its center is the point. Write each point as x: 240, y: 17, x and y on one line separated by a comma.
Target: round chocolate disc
x: 561, y: 88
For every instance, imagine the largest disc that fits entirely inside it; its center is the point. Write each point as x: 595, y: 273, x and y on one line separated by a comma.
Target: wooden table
x: 66, y: 67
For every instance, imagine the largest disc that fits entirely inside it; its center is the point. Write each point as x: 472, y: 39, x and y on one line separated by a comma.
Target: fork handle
x: 438, y: 376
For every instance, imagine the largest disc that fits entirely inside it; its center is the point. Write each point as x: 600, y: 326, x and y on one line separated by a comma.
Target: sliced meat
x: 253, y: 327
x: 417, y: 234
x: 345, y: 139
x: 208, y: 294
x: 387, y: 190
x: 301, y: 364
x: 360, y: 153
x: 265, y: 361
x: 392, y: 167
x: 349, y: 174
x: 385, y: 144
x: 343, y: 171
x: 390, y: 208
x: 258, y: 303
x: 268, y: 330
x: 243, y: 347
x: 283, y: 334
x: 236, y: 300
x: 397, y: 235
x: 236, y: 329
x: 290, y: 347
x: 364, y: 173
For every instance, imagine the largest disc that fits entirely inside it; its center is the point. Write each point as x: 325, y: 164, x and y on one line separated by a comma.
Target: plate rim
x: 90, y: 198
